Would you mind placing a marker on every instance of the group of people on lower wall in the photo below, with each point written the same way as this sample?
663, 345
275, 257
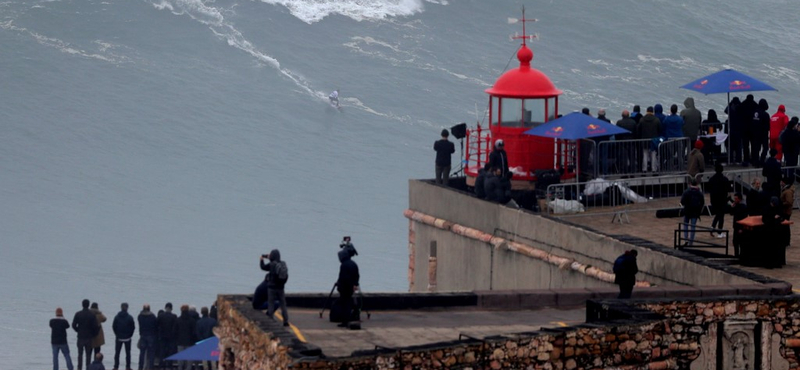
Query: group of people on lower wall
160, 336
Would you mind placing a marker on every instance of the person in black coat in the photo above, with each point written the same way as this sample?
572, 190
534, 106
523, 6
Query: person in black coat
718, 186
746, 110
480, 181
790, 140
772, 172
167, 323
186, 334
58, 338
692, 201
85, 324
347, 284
205, 326
735, 129
492, 186
772, 219
625, 269
444, 149
498, 157
739, 212
123, 327
98, 363
275, 287
761, 126
148, 331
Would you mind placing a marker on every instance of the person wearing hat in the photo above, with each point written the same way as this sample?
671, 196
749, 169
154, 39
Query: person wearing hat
696, 162
498, 157
444, 149
58, 338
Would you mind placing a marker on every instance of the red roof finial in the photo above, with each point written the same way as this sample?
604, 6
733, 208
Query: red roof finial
525, 55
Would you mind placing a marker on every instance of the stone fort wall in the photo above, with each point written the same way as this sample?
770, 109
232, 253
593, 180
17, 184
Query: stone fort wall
720, 333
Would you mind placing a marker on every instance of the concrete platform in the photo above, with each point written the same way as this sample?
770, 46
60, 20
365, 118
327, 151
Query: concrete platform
398, 329
645, 225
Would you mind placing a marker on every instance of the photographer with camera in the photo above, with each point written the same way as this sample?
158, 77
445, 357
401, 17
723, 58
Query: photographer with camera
347, 284
346, 244
274, 282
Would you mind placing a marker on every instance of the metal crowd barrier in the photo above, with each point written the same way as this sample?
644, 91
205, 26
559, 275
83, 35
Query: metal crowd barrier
637, 194
620, 157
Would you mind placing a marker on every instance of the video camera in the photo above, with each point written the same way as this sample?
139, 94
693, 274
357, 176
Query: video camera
346, 244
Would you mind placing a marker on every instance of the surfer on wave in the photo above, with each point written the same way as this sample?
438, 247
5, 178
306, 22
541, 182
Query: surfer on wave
334, 98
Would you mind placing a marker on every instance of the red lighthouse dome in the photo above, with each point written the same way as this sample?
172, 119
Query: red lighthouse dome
524, 82
521, 99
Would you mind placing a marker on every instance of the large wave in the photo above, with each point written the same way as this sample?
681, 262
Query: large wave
311, 11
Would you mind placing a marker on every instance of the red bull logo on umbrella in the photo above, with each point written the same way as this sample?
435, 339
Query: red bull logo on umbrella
593, 129
701, 85
739, 85
555, 131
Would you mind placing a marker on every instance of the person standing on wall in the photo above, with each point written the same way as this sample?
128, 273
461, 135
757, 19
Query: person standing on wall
444, 149
123, 327
625, 269
58, 338
277, 274
347, 284
85, 324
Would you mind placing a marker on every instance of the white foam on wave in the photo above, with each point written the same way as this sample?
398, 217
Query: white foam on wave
311, 11
380, 50
215, 20
781, 73
102, 54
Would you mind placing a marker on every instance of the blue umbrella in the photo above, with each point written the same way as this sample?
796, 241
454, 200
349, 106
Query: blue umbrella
204, 350
576, 126
726, 81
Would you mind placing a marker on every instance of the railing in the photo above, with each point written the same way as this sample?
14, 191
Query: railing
601, 196
620, 157
673, 154
679, 241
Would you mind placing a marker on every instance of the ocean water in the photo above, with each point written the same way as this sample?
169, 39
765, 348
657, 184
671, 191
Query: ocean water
151, 150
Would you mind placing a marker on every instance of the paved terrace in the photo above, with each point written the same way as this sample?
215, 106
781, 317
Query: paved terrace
399, 329
643, 224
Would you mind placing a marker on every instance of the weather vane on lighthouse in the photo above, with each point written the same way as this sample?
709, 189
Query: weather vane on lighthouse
524, 35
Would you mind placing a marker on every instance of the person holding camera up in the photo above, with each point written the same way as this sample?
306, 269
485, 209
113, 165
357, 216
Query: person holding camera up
277, 275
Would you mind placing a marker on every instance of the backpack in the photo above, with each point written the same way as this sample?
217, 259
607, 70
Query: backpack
619, 264
279, 272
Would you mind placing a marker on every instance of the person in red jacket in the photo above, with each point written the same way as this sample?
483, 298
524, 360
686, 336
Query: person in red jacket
777, 124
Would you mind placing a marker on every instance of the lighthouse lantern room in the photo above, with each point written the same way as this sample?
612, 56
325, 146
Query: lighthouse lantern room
519, 100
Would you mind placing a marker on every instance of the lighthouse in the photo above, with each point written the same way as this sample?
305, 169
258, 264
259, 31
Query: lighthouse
519, 100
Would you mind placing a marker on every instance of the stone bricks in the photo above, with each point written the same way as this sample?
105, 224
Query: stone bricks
670, 341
